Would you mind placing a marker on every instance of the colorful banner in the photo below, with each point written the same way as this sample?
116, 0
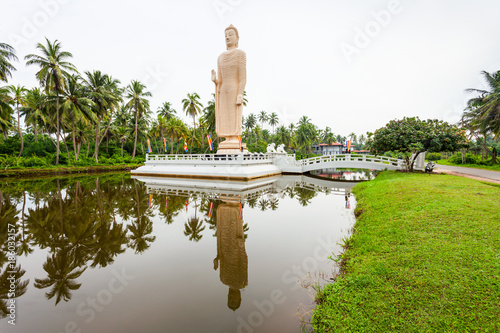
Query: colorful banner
149, 147
165, 144
150, 200
210, 145
166, 203
239, 140
185, 146
241, 212
210, 210
187, 204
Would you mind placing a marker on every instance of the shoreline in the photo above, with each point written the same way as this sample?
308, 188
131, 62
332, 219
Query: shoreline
28, 173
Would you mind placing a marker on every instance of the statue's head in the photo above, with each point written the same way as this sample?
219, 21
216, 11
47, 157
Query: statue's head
232, 36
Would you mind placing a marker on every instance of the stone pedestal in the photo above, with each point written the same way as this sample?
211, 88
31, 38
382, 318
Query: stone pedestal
231, 146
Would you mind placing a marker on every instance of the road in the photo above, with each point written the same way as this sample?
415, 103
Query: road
480, 174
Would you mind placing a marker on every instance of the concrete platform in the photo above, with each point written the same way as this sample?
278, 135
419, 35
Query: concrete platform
238, 167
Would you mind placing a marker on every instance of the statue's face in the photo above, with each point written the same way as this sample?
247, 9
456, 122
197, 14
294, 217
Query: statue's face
231, 38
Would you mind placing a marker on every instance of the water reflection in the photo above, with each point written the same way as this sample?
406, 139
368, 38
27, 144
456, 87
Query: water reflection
345, 174
82, 223
232, 259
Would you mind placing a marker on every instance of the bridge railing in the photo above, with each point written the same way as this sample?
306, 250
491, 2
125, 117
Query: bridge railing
352, 158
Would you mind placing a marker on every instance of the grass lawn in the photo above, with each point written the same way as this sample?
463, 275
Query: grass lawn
495, 167
424, 257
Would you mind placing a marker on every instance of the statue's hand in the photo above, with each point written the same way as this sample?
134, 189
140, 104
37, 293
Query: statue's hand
214, 76
239, 99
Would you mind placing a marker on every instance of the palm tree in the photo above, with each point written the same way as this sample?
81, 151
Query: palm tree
137, 101
17, 96
262, 118
283, 136
166, 111
35, 109
250, 121
192, 106
353, 137
483, 112
77, 107
103, 90
327, 135
7, 53
6, 120
273, 120
175, 129
53, 68
121, 133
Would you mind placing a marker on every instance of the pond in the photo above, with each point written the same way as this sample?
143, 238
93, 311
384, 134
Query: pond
110, 253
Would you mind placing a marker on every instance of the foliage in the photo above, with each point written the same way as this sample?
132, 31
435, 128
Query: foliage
433, 156
411, 136
422, 258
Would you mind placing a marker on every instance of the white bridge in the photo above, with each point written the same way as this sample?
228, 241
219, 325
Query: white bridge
256, 165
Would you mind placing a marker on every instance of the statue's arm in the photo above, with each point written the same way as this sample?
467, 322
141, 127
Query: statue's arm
242, 71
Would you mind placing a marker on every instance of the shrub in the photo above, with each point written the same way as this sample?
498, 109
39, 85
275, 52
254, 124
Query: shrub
433, 156
469, 159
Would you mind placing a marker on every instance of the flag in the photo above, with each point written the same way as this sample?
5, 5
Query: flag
239, 140
150, 200
210, 145
210, 210
149, 147
347, 145
166, 203
187, 203
165, 144
241, 212
185, 146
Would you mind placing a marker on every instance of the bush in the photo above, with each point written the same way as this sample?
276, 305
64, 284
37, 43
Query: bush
469, 159
433, 156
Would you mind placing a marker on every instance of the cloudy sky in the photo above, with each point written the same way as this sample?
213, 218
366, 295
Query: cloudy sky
350, 65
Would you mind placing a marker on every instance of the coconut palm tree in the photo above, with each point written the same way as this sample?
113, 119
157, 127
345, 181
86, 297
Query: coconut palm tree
6, 111
17, 96
104, 92
327, 135
483, 112
175, 129
263, 117
53, 69
7, 54
273, 120
136, 95
76, 106
192, 106
166, 111
34, 111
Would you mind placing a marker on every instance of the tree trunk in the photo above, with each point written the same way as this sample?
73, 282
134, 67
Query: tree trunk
135, 139
97, 131
35, 132
88, 148
19, 130
74, 140
122, 148
57, 128
171, 145
194, 131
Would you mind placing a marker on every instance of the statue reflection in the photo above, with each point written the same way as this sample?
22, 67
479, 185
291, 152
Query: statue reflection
231, 254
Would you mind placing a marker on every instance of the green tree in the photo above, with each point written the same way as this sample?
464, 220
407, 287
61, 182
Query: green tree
412, 136
76, 106
192, 106
34, 111
18, 97
105, 94
7, 54
137, 101
53, 69
273, 120
166, 111
263, 117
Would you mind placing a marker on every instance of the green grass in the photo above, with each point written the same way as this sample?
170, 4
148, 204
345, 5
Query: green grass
494, 167
424, 257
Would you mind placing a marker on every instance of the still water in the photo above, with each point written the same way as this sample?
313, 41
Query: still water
110, 253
